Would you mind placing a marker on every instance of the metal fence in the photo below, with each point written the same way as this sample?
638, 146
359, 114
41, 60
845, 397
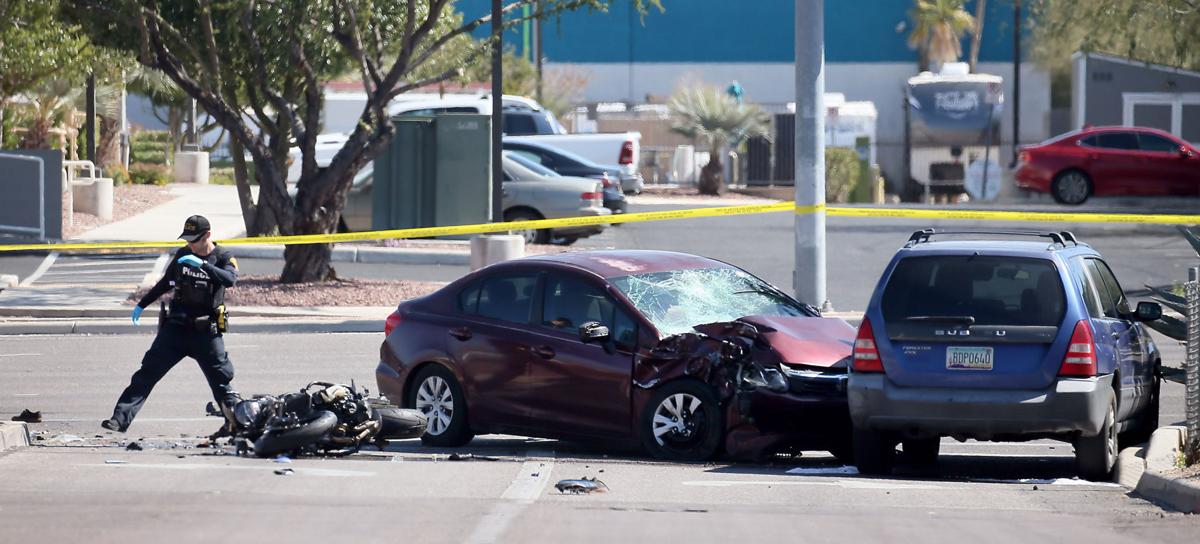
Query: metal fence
1191, 367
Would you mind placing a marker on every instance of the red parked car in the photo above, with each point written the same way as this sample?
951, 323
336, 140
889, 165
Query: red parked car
513, 348
1110, 161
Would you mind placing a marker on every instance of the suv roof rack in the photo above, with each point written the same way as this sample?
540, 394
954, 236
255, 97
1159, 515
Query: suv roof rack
1061, 238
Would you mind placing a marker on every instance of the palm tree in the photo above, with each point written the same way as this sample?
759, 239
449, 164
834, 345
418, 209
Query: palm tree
716, 121
938, 28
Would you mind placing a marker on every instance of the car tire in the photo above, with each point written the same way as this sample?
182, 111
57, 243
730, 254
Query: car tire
874, 452
531, 236
1071, 187
922, 451
1095, 456
683, 422
1147, 421
843, 450
437, 394
315, 426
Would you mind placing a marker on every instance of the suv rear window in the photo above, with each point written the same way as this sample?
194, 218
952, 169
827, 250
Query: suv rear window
1005, 291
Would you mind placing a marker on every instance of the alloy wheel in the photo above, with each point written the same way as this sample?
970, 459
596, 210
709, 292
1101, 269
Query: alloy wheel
1073, 188
679, 421
435, 400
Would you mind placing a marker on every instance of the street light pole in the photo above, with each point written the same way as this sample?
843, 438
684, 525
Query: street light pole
497, 112
1016, 79
808, 279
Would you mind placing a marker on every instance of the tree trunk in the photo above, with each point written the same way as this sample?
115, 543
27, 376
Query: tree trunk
242, 180
305, 263
712, 176
977, 34
108, 152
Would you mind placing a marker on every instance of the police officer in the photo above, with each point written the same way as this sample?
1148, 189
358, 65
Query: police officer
199, 275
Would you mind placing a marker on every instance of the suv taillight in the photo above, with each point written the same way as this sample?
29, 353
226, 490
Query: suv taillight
1023, 157
390, 324
866, 355
626, 153
1080, 360
605, 181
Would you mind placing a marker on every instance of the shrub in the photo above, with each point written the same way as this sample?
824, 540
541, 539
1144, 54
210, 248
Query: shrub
149, 147
149, 174
841, 173
117, 172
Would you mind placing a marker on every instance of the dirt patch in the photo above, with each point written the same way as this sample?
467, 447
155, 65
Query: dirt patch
1191, 473
267, 291
128, 200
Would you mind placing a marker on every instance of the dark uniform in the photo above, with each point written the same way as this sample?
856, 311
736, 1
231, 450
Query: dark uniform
191, 328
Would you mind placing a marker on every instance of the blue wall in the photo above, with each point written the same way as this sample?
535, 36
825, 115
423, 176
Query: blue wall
743, 31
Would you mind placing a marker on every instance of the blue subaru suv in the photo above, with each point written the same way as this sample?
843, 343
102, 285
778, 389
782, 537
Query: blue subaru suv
1002, 339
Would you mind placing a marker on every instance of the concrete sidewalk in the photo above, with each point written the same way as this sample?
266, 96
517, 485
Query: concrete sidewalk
242, 319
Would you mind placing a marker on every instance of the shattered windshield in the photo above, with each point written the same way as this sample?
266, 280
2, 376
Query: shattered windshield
678, 300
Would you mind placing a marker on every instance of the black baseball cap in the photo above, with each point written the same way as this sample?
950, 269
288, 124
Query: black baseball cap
194, 228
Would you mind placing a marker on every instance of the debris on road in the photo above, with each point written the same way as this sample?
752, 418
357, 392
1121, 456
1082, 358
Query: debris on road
470, 457
283, 459
134, 446
580, 486
285, 472
65, 438
28, 416
114, 462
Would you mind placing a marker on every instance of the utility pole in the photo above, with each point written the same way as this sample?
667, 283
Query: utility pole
808, 279
90, 125
497, 112
1016, 79
537, 47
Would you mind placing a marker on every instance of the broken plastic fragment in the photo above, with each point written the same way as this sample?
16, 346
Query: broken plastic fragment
582, 485
285, 472
283, 459
134, 446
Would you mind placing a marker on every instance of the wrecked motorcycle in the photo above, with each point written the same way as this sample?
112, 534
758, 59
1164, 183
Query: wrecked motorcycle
322, 417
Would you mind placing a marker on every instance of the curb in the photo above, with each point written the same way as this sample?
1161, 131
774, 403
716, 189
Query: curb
1146, 475
353, 254
13, 435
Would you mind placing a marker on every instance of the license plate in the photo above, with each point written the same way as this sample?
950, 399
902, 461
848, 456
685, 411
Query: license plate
968, 358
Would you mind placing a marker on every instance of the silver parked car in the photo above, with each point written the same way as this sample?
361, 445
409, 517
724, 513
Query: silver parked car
526, 196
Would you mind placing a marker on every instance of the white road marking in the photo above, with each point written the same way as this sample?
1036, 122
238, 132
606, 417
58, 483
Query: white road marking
529, 484
26, 394
300, 471
41, 269
847, 469
19, 354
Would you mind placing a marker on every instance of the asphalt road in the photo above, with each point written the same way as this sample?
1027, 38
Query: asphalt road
81, 480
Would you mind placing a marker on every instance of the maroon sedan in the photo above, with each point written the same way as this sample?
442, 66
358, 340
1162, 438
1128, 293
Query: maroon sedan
1110, 161
577, 346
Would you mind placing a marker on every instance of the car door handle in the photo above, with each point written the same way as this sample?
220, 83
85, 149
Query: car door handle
461, 333
545, 352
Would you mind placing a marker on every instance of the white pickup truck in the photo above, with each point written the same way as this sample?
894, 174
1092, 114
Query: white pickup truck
524, 119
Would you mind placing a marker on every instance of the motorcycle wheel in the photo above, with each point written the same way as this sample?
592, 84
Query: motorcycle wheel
401, 423
273, 443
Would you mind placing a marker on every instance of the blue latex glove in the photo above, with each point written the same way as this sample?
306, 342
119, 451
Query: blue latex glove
190, 260
137, 314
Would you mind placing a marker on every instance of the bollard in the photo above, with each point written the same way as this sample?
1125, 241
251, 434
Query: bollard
191, 167
493, 248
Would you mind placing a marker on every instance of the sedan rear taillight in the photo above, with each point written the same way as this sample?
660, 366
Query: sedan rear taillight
866, 354
390, 323
1023, 157
1080, 360
626, 153
590, 196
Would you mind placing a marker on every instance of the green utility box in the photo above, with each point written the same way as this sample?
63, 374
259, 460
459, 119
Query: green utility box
436, 172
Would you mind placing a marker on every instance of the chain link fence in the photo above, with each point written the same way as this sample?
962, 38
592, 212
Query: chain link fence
1192, 369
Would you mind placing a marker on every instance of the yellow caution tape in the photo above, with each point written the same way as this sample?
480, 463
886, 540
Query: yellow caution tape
721, 211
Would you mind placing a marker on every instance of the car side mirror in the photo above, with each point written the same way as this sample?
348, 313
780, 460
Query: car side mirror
1148, 311
592, 331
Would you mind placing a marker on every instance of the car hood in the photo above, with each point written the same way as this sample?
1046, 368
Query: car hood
825, 342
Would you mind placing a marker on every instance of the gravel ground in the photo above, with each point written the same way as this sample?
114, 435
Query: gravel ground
685, 194
267, 291
128, 200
